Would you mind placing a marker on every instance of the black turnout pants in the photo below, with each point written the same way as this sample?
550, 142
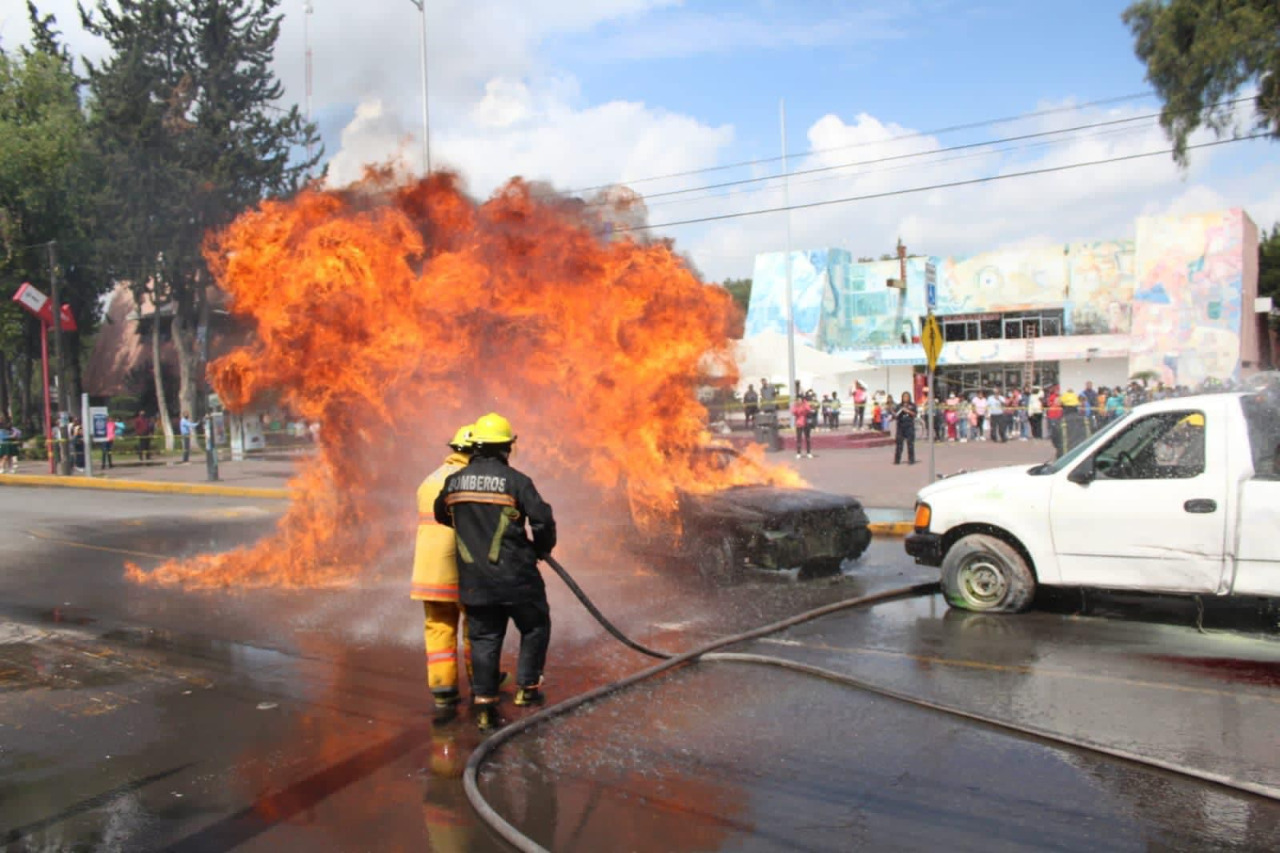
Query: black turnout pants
487, 628
909, 439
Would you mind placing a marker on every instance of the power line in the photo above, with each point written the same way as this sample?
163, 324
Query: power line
989, 152
913, 135
966, 146
948, 185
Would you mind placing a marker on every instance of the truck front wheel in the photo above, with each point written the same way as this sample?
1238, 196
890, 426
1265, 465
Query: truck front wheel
986, 574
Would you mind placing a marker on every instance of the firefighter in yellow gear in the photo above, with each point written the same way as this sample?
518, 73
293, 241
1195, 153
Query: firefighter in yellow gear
435, 581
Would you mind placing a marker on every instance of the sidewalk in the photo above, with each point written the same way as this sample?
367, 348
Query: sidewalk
866, 473
255, 477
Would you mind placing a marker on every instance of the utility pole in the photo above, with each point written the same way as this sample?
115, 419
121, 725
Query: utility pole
56, 308
426, 119
306, 35
792, 391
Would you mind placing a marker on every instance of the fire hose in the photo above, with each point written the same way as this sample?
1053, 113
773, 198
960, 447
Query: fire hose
708, 651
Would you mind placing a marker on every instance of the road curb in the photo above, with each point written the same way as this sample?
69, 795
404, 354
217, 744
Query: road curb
891, 528
144, 486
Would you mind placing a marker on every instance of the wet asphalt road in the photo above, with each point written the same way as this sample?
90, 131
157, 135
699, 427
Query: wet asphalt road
135, 718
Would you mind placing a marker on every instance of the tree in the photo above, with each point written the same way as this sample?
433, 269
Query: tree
184, 109
47, 170
740, 290
1199, 55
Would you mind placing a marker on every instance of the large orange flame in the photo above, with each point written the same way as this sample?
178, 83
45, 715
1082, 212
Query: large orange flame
393, 313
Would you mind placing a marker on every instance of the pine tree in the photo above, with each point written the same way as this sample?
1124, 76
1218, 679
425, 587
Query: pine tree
1200, 55
185, 112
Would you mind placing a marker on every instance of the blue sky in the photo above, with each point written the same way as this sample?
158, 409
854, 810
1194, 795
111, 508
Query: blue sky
587, 92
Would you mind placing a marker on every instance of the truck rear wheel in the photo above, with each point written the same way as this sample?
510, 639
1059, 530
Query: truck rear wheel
988, 575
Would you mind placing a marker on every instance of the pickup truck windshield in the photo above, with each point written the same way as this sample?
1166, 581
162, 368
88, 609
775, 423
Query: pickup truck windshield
1074, 453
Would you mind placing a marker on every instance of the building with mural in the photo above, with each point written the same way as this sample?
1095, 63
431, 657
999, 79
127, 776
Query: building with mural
1176, 302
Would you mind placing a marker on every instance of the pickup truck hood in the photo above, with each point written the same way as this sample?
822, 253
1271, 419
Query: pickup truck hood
999, 479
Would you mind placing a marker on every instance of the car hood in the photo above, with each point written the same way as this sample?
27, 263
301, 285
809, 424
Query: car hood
976, 480
761, 501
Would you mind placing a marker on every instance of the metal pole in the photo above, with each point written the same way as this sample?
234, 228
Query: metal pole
933, 408
64, 414
86, 435
786, 203
306, 36
48, 402
426, 114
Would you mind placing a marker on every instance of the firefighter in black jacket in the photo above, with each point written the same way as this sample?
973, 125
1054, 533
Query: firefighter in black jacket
487, 504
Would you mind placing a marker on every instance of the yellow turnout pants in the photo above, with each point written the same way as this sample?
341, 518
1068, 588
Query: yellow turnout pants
441, 633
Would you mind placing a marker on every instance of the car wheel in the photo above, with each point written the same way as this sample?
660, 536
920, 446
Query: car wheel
717, 558
861, 540
986, 574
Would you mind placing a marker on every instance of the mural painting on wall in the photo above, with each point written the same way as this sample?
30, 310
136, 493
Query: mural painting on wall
812, 275
872, 314
1013, 280
1100, 288
1187, 297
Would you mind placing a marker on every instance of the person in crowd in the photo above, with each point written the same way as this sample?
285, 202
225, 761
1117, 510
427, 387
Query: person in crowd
1089, 405
435, 581
108, 443
886, 412
768, 396
1115, 405
1053, 419
76, 435
1035, 412
995, 415
824, 411
859, 404
1018, 415
750, 405
10, 444
904, 416
980, 409
835, 410
802, 415
952, 417
488, 504
186, 429
144, 428
876, 419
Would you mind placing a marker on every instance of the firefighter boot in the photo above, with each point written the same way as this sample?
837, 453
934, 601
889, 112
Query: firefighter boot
446, 704
486, 715
531, 695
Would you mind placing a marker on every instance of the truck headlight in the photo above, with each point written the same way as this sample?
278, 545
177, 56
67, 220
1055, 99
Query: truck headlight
923, 516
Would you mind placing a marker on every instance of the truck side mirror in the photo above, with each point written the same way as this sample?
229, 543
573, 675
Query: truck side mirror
1083, 473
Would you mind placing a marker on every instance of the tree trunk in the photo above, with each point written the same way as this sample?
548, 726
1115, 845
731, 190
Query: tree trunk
185, 345
4, 387
161, 403
24, 389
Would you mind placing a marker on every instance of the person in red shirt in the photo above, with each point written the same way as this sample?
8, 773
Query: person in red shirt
802, 413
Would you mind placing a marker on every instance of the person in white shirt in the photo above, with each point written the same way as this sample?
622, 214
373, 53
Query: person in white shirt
980, 409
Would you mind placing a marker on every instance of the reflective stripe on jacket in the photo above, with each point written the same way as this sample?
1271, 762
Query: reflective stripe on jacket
435, 566
488, 504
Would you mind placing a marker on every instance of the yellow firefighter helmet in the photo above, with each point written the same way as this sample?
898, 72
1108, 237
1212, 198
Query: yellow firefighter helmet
492, 429
461, 440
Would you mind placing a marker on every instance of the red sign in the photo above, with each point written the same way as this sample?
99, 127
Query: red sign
38, 304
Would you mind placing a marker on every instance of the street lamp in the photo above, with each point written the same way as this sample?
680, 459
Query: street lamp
426, 121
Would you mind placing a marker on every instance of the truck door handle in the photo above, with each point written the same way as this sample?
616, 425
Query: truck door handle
1200, 505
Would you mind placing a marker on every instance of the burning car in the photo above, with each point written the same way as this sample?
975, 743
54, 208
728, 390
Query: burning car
733, 528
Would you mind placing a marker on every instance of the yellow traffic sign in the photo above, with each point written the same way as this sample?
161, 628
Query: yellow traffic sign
931, 338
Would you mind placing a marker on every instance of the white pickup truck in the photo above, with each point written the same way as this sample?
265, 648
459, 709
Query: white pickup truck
1178, 496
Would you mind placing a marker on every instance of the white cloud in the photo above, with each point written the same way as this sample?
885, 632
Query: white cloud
539, 132
1087, 203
